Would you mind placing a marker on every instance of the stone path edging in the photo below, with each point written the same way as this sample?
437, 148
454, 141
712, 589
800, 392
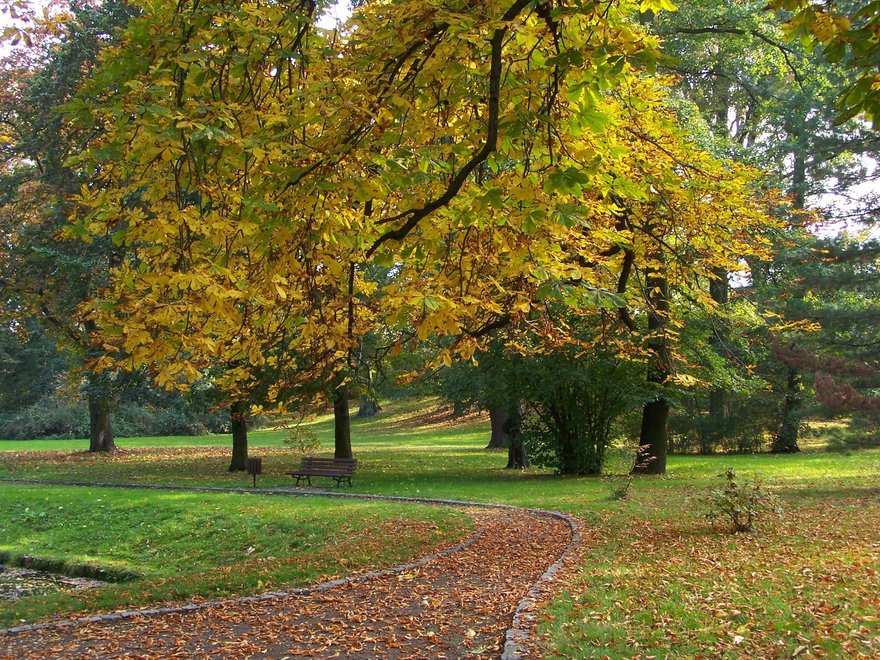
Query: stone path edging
515, 638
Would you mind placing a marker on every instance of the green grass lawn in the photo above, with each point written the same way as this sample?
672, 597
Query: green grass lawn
193, 545
656, 579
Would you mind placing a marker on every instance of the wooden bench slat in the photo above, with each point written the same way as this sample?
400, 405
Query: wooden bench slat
331, 466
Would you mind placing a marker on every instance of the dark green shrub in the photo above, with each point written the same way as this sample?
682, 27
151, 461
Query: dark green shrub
59, 415
52, 416
743, 428
572, 403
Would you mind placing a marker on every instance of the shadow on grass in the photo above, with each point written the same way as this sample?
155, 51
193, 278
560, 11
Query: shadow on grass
824, 493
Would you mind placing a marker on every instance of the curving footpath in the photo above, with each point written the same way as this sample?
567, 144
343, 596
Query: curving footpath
475, 599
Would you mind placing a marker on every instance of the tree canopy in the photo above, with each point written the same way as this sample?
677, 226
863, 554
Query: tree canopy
250, 166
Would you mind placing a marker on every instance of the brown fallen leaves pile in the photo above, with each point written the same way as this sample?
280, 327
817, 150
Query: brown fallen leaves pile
139, 464
455, 606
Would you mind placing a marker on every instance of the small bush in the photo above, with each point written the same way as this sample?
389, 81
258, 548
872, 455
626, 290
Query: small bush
741, 503
743, 429
573, 403
619, 485
302, 440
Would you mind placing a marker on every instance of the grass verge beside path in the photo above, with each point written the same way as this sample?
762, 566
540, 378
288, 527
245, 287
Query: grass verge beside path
204, 545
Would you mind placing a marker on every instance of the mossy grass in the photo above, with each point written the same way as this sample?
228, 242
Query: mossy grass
90, 570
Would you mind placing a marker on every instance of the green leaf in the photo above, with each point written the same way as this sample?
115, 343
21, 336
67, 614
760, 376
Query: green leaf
568, 215
494, 198
597, 121
570, 181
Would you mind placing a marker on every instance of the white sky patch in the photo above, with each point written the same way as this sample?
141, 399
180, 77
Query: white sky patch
335, 15
852, 210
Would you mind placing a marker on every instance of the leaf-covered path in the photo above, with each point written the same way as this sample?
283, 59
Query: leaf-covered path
459, 605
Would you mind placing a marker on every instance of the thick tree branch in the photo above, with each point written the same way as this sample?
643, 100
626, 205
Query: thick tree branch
629, 257
412, 217
490, 326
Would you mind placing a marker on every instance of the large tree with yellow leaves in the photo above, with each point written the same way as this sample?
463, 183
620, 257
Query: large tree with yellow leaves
495, 155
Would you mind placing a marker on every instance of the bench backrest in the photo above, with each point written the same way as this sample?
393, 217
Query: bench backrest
344, 465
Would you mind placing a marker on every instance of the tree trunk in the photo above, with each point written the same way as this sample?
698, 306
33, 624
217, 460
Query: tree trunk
799, 171
238, 414
517, 456
367, 407
653, 439
786, 440
341, 423
716, 421
498, 418
719, 286
100, 430
719, 289
568, 459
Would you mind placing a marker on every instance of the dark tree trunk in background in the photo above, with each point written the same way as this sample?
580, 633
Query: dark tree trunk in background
341, 423
713, 432
799, 170
719, 289
498, 418
517, 456
567, 437
98, 393
367, 407
653, 439
786, 440
238, 416
100, 430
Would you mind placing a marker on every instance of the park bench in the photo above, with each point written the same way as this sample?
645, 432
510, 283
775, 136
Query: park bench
341, 469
